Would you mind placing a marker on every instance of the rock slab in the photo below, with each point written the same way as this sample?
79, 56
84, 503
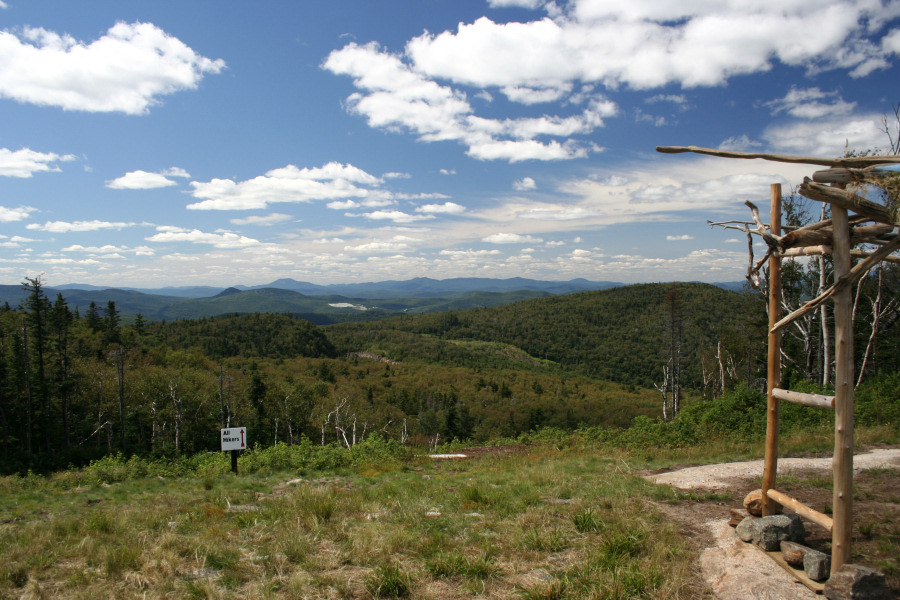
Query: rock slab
817, 565
769, 532
855, 582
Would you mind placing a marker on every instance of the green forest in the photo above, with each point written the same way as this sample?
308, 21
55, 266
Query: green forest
79, 385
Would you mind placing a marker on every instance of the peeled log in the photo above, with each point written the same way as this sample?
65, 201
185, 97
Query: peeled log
847, 200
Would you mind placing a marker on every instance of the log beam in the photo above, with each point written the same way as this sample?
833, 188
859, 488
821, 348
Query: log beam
847, 201
856, 161
816, 400
802, 510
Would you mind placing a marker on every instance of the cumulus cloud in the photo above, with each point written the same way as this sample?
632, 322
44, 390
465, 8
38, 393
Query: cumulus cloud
264, 220
395, 97
126, 70
333, 181
378, 247
447, 208
511, 238
679, 238
584, 45
142, 180
526, 183
77, 226
10, 215
649, 44
219, 239
811, 103
459, 254
24, 163
396, 216
827, 136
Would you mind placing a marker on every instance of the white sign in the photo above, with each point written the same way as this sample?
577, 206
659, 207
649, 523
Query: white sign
234, 438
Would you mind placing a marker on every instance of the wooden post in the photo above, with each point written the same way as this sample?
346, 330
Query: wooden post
234, 459
773, 379
842, 462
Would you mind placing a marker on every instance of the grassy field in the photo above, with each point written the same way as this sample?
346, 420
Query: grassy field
538, 524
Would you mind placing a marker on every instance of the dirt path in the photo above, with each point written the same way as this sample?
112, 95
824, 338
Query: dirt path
734, 570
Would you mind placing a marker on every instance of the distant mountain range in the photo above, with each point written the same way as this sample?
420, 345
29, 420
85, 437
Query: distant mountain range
321, 304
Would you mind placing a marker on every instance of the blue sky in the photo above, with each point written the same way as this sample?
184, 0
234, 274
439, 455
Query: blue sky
150, 144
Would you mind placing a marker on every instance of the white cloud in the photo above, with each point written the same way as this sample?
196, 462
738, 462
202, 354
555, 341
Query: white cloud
264, 220
396, 98
526, 183
343, 204
511, 238
378, 247
448, 171
80, 226
141, 180
126, 70
219, 239
447, 208
827, 137
677, 99
333, 181
652, 43
808, 104
458, 254
891, 42
24, 163
741, 143
396, 175
10, 215
679, 238
570, 213
394, 215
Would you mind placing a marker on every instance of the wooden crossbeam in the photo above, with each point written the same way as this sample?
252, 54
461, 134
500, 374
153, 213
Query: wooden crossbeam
801, 509
856, 161
816, 400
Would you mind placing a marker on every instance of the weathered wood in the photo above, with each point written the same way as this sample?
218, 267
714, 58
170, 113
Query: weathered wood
856, 161
818, 250
843, 282
797, 574
773, 376
867, 234
801, 509
842, 498
816, 400
847, 200
834, 175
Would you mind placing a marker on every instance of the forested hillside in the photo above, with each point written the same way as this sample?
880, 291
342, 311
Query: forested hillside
76, 386
623, 334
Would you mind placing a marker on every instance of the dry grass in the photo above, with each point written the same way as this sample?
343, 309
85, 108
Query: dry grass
539, 525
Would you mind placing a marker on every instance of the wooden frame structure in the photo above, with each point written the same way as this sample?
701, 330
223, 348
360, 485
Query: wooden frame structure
874, 225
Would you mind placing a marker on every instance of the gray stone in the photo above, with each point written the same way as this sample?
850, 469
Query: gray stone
855, 582
817, 565
748, 529
793, 553
776, 528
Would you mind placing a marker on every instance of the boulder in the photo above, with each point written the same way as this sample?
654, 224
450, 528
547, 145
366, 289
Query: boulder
748, 529
817, 565
855, 582
793, 553
776, 528
753, 502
